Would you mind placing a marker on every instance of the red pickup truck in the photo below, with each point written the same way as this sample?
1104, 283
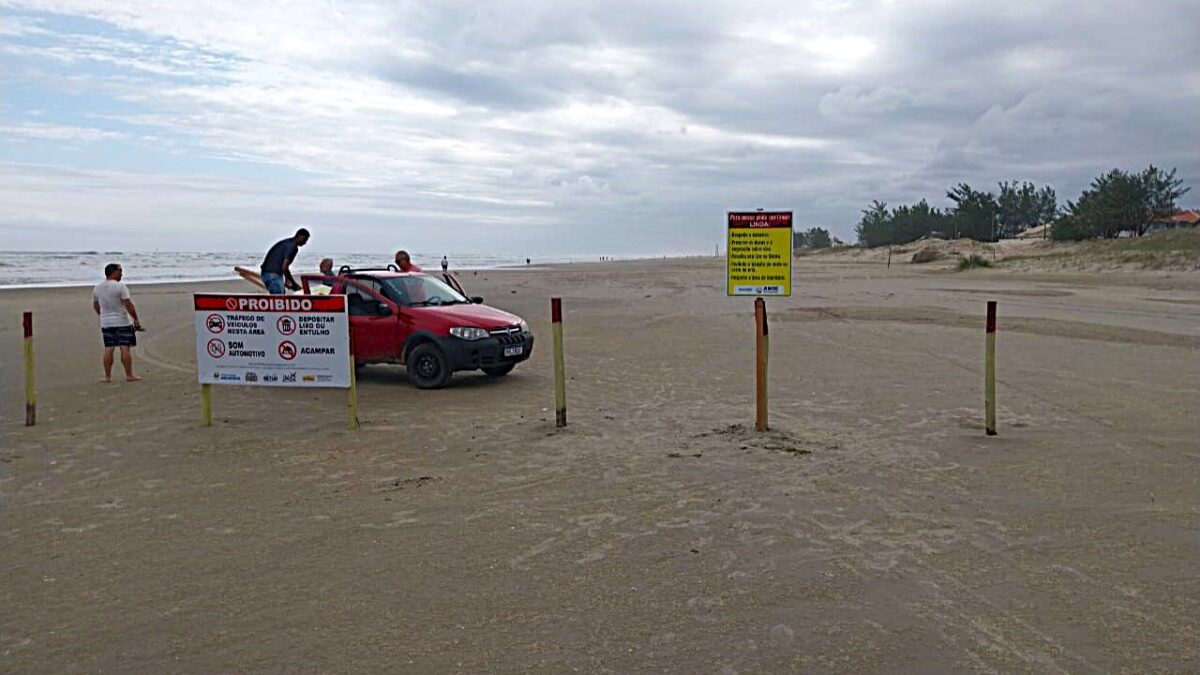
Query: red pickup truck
425, 324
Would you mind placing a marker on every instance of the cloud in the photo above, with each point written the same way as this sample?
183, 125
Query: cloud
853, 100
576, 125
58, 132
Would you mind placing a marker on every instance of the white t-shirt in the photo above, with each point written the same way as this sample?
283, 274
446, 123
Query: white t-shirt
110, 295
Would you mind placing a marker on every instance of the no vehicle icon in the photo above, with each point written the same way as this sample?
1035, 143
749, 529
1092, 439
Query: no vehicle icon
216, 348
287, 350
215, 323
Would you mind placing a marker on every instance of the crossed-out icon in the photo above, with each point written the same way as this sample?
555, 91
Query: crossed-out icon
216, 348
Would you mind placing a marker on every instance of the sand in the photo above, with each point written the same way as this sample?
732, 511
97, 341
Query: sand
874, 529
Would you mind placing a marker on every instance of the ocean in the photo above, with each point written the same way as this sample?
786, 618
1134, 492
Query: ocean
38, 268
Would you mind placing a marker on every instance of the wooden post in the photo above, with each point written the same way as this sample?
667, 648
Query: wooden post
352, 394
206, 404
560, 379
889, 257
989, 383
30, 387
761, 354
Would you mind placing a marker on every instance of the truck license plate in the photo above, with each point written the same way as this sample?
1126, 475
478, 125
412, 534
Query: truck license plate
515, 350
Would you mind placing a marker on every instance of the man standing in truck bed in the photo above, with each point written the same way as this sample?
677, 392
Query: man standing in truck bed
276, 267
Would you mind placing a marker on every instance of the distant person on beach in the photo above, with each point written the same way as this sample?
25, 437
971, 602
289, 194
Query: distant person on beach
276, 267
110, 299
445, 264
405, 264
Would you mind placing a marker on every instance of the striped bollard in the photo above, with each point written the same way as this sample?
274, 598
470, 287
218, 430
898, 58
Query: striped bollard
989, 383
30, 388
560, 380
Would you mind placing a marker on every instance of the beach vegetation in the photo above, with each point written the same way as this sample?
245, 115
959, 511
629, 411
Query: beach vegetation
814, 237
1117, 203
1120, 202
969, 262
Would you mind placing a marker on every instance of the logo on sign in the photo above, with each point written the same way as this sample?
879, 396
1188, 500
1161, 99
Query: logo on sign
252, 377
231, 304
289, 377
310, 378
286, 325
216, 348
287, 350
215, 323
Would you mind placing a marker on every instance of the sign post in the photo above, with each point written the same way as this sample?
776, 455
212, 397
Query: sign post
206, 404
352, 394
758, 262
761, 353
273, 341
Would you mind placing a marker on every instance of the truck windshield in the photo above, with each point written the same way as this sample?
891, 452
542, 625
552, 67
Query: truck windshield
420, 290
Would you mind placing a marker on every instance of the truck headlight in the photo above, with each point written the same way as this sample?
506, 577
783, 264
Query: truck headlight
468, 333
524, 326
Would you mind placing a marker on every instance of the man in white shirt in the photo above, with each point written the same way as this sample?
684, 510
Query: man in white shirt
110, 299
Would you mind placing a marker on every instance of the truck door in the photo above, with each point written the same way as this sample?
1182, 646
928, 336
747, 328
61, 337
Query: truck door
374, 321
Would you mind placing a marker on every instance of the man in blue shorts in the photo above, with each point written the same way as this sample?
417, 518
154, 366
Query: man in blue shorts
276, 267
110, 299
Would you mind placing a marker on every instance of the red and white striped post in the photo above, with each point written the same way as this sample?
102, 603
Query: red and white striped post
30, 388
560, 379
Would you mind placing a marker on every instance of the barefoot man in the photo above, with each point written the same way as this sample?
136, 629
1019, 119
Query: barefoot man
110, 299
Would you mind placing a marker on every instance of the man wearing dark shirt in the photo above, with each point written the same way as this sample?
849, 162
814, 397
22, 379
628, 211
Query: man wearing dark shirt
276, 267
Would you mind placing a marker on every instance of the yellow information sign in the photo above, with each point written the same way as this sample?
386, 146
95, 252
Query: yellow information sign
759, 247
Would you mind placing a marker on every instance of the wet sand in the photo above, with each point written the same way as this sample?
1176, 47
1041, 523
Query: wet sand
874, 529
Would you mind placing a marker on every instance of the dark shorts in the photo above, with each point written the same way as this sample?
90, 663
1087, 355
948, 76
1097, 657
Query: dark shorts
119, 336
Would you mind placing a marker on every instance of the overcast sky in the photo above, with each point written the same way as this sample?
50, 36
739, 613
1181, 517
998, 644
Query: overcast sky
534, 128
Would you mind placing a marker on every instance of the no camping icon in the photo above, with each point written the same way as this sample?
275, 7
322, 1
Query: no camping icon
287, 350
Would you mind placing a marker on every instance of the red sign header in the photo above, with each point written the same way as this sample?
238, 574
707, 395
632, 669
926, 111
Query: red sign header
740, 219
231, 302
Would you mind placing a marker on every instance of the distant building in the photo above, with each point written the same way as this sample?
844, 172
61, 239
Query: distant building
1189, 218
1038, 232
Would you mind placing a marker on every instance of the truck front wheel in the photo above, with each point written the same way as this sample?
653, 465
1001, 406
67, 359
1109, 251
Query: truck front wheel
428, 367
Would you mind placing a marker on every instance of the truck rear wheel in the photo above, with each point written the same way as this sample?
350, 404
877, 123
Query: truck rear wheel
428, 367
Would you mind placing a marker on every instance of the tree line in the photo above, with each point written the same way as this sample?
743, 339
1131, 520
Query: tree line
814, 237
1115, 201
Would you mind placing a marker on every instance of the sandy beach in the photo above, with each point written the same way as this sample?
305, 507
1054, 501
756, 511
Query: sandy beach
874, 529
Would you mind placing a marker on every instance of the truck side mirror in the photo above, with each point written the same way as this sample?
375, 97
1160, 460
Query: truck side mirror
477, 299
384, 309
